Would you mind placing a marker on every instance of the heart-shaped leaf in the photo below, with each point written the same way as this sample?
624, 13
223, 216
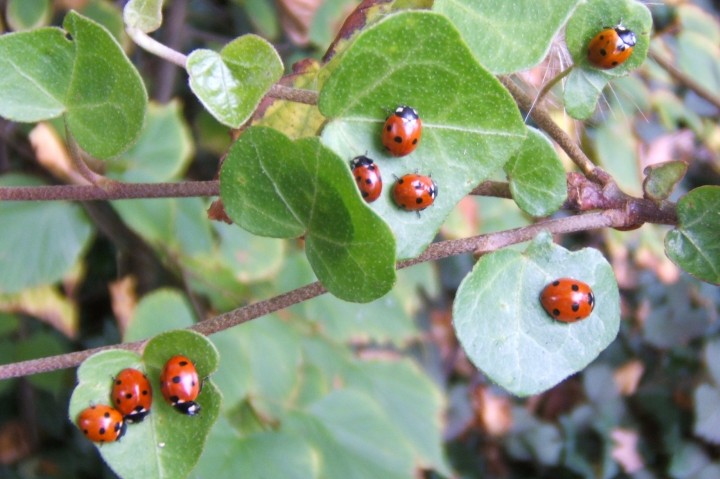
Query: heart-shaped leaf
231, 83
694, 244
167, 444
507, 36
82, 73
145, 15
466, 137
272, 186
585, 83
505, 331
537, 177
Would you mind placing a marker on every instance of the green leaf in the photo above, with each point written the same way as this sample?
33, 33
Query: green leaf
251, 258
693, 245
354, 446
162, 152
261, 361
265, 455
263, 15
173, 225
537, 177
508, 335
170, 305
272, 186
40, 242
231, 84
617, 153
145, 15
508, 36
166, 444
26, 15
697, 57
586, 82
109, 16
395, 385
661, 178
464, 141
87, 77
43, 344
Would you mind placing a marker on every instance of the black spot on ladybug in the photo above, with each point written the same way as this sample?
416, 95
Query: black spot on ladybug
555, 283
107, 414
575, 287
85, 431
176, 379
556, 312
575, 307
397, 139
128, 395
102, 431
621, 48
415, 141
603, 52
118, 382
183, 363
389, 128
614, 64
174, 399
368, 181
401, 181
365, 194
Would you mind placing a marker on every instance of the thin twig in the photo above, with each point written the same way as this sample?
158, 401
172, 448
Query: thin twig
116, 191
478, 244
549, 85
684, 79
309, 97
546, 123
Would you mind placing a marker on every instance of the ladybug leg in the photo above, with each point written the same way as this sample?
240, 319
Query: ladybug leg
418, 214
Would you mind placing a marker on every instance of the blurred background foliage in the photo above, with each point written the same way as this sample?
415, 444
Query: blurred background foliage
648, 407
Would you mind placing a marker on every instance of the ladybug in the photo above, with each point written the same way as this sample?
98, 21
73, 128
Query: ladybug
101, 423
567, 300
367, 177
414, 192
132, 394
180, 385
402, 131
611, 47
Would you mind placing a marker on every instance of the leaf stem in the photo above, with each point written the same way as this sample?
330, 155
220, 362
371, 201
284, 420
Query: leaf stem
443, 249
151, 45
546, 123
684, 79
116, 191
308, 97
549, 85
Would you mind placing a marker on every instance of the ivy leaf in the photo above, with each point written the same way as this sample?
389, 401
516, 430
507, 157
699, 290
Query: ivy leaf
464, 141
40, 242
661, 179
166, 444
693, 245
537, 177
585, 83
272, 186
87, 77
230, 84
145, 15
507, 36
509, 336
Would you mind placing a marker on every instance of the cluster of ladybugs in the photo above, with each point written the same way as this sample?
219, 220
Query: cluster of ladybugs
132, 397
401, 135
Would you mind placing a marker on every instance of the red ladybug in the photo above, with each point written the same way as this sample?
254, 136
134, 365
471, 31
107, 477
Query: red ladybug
414, 192
402, 131
367, 177
568, 300
101, 423
611, 47
180, 385
132, 394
